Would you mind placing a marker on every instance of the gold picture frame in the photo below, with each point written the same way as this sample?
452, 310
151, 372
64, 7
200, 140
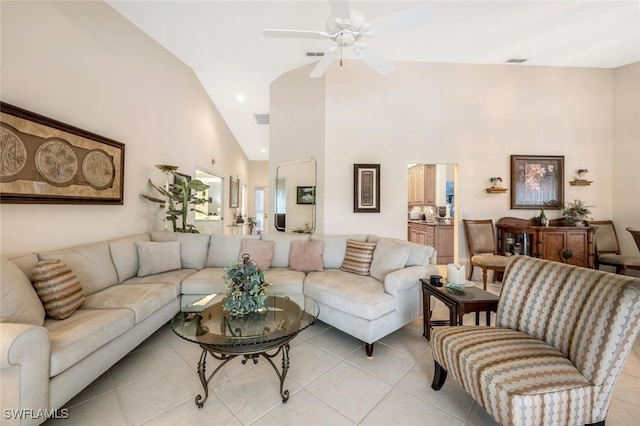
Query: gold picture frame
49, 162
537, 182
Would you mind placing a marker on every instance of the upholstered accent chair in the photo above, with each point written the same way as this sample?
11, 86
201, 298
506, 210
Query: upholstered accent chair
608, 248
481, 244
561, 338
635, 233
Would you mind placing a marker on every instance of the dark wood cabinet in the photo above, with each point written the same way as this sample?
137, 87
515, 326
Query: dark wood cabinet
567, 244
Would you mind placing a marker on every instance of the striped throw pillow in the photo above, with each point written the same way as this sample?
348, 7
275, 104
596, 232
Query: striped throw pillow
358, 257
58, 287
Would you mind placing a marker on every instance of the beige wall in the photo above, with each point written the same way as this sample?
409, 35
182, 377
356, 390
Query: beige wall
475, 116
626, 154
85, 65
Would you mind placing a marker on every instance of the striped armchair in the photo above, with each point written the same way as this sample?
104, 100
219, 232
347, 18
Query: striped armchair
561, 338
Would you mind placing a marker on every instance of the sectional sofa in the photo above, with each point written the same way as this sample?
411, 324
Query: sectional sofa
119, 292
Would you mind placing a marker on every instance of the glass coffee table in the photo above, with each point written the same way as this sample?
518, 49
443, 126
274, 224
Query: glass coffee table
225, 337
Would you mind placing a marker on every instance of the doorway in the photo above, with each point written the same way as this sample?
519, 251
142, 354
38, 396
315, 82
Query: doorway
431, 208
260, 209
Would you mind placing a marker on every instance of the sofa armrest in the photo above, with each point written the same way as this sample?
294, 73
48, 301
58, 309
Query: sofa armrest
24, 370
405, 278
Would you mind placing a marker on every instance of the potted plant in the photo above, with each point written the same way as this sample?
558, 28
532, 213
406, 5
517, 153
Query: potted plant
179, 198
251, 222
575, 212
246, 288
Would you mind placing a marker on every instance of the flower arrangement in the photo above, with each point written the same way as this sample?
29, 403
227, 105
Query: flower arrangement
580, 173
576, 211
246, 288
251, 222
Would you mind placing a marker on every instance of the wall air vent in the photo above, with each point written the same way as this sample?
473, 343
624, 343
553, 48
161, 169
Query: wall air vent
516, 61
315, 53
262, 118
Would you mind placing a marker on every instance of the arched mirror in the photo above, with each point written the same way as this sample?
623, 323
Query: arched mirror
295, 203
209, 218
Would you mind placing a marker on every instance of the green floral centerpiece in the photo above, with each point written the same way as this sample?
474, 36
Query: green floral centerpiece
246, 288
575, 212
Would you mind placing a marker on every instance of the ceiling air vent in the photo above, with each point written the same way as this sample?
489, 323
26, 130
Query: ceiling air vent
262, 118
315, 53
516, 61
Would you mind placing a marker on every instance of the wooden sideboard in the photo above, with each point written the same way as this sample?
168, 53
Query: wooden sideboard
574, 245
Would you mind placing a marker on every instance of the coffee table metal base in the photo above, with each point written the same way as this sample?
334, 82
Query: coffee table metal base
225, 357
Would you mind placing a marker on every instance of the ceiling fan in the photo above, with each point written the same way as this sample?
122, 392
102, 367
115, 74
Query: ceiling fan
347, 28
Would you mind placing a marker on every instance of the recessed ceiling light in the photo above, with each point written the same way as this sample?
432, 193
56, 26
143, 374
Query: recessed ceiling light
263, 150
240, 98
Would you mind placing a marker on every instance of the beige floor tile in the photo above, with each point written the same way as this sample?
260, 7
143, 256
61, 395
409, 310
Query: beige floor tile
400, 408
250, 394
350, 390
337, 342
140, 363
98, 387
102, 410
143, 399
386, 363
623, 414
308, 362
479, 417
303, 408
213, 412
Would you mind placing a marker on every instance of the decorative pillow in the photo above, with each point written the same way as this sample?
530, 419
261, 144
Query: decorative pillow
388, 257
19, 302
58, 288
155, 257
259, 251
358, 257
306, 256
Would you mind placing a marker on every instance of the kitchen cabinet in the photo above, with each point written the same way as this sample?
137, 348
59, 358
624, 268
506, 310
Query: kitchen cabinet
422, 185
573, 245
438, 236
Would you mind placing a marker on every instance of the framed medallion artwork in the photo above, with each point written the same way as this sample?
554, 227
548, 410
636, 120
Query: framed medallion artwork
537, 182
366, 188
46, 161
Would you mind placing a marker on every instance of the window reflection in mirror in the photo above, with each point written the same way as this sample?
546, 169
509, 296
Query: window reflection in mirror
209, 218
295, 207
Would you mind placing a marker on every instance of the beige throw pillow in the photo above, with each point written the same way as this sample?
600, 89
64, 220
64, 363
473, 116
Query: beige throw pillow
358, 257
306, 256
259, 251
155, 257
58, 288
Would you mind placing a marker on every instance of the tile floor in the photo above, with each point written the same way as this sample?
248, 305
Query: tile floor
331, 381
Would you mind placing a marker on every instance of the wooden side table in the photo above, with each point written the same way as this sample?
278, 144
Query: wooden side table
472, 299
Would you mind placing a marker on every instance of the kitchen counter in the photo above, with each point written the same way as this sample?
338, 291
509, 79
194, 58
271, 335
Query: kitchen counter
435, 234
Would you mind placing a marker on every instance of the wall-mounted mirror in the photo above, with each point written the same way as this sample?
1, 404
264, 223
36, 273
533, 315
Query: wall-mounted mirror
295, 191
210, 218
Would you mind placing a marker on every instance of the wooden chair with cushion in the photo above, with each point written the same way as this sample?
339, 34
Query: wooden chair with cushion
481, 244
635, 233
608, 248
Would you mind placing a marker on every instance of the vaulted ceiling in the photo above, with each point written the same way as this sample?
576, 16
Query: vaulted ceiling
223, 41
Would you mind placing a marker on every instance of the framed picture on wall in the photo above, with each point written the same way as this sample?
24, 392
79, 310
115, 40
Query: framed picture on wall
45, 161
366, 188
537, 182
305, 195
234, 192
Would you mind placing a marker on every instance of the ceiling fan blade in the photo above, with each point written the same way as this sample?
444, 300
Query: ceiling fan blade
401, 20
324, 63
376, 61
340, 9
321, 35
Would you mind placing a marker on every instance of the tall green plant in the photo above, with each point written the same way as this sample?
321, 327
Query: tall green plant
180, 198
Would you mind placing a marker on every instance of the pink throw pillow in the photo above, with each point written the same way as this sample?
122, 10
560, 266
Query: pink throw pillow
259, 251
306, 256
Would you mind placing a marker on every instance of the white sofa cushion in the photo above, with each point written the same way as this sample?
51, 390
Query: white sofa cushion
19, 302
124, 254
358, 295
82, 333
91, 263
335, 247
193, 247
388, 256
156, 257
225, 249
284, 281
142, 299
204, 282
420, 254
282, 245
